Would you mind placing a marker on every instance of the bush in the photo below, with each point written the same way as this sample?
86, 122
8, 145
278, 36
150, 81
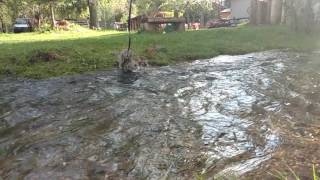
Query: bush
45, 27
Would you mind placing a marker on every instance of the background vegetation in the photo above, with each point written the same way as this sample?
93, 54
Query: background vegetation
104, 11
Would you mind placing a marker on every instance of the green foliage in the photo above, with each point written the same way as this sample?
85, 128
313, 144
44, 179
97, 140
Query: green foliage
72, 9
194, 9
87, 50
114, 10
45, 27
40, 10
314, 173
5, 18
188, 7
2, 152
148, 6
109, 11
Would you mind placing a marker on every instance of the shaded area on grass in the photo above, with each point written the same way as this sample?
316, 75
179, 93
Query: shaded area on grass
96, 50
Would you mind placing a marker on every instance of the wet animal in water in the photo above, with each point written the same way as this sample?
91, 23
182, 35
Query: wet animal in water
142, 62
126, 61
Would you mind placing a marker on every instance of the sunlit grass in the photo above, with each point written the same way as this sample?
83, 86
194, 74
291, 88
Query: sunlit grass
85, 50
53, 36
285, 176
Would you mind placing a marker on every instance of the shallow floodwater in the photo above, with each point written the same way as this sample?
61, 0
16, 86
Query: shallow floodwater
169, 122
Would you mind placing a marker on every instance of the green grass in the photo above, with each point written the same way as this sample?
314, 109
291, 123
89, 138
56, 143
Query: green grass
293, 175
85, 51
2, 152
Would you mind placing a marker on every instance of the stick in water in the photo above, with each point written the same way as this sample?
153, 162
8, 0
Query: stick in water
126, 57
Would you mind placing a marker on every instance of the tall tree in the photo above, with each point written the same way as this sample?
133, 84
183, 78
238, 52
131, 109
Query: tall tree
149, 7
93, 11
253, 11
4, 17
53, 21
276, 11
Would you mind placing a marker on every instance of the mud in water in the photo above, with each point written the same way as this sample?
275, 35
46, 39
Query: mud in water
228, 116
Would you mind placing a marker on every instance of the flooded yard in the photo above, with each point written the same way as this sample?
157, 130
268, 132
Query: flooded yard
227, 116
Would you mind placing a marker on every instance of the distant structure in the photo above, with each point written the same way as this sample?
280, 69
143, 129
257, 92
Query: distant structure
234, 9
303, 15
240, 9
156, 24
265, 11
225, 14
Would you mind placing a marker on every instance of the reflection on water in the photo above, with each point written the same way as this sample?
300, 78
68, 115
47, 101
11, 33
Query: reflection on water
209, 115
220, 99
128, 78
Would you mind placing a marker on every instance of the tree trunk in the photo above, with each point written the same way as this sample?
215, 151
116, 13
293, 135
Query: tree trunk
292, 16
276, 11
93, 11
260, 12
39, 22
284, 12
188, 19
253, 12
1, 25
263, 13
316, 11
105, 19
308, 16
300, 15
268, 17
37, 18
53, 21
176, 13
202, 19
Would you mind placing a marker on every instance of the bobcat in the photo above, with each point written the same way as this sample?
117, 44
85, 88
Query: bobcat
126, 61
129, 63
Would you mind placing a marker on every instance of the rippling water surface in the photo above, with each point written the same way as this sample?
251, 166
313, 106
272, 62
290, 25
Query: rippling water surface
170, 122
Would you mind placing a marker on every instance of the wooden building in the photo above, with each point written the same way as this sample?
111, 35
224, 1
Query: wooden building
156, 24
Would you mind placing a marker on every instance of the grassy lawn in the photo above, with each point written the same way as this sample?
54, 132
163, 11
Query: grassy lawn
77, 52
